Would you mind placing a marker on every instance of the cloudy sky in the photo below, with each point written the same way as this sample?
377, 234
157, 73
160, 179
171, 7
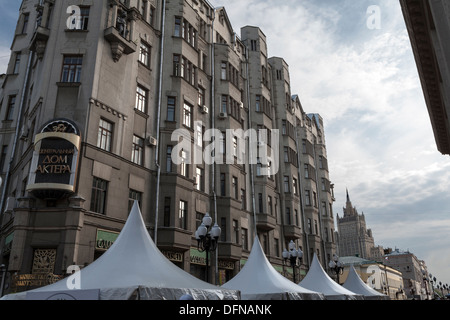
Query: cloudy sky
359, 73
363, 81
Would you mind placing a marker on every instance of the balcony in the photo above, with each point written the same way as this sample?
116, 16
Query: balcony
119, 45
174, 238
228, 250
292, 232
39, 41
265, 222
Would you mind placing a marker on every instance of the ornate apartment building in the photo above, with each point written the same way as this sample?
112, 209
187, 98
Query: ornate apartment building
108, 102
354, 238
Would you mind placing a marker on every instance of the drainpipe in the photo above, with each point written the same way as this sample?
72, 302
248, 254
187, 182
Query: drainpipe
252, 180
158, 119
319, 208
302, 200
213, 125
18, 127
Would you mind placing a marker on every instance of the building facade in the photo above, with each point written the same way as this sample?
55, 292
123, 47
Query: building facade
414, 273
354, 237
108, 102
376, 275
428, 25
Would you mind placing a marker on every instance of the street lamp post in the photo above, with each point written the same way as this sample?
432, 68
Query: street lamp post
207, 241
336, 266
293, 255
432, 280
425, 282
2, 284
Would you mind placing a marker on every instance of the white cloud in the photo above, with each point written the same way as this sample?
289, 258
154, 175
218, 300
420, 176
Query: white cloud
4, 58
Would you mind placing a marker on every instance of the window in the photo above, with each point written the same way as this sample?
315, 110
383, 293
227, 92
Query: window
277, 247
144, 54
152, 16
104, 138
198, 219
224, 104
185, 30
258, 103
201, 97
258, 166
307, 198
223, 71
11, 107
183, 164
288, 215
187, 115
137, 154
269, 204
176, 65
141, 99
235, 187
177, 30
294, 185
244, 240
71, 70
132, 196
260, 203
171, 108
26, 19
199, 135
243, 200
98, 195
236, 231
3, 157
167, 212
182, 215
296, 217
222, 184
309, 226
17, 63
223, 227
169, 159
235, 147
84, 18
200, 180
286, 184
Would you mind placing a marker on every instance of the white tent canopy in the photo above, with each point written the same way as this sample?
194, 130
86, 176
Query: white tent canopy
134, 268
258, 280
318, 280
355, 284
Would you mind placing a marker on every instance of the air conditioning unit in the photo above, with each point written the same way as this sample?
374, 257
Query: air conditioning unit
222, 115
151, 141
241, 104
204, 109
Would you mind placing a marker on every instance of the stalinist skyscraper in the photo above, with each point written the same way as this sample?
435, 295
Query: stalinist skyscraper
354, 237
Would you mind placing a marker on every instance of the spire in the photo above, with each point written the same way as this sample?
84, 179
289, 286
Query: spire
348, 198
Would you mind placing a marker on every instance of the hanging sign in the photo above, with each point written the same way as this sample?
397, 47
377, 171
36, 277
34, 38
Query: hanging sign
53, 169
